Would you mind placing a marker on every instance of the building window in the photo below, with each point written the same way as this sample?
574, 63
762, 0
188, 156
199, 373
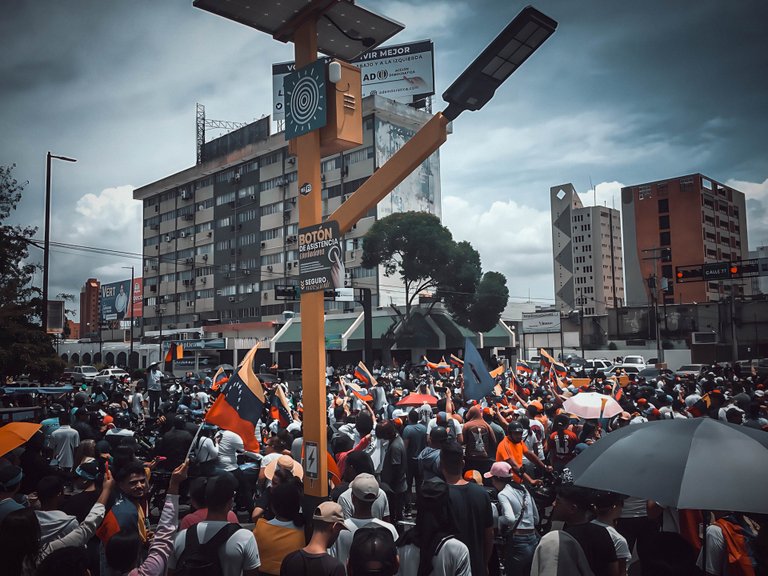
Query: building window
663, 205
664, 222
665, 239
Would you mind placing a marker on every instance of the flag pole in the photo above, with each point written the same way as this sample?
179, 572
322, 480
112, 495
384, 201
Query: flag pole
194, 439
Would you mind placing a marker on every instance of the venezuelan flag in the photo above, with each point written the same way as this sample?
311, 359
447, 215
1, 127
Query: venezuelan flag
456, 361
175, 352
364, 375
523, 368
241, 403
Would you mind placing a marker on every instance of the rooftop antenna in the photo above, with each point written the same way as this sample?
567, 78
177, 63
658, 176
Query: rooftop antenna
594, 192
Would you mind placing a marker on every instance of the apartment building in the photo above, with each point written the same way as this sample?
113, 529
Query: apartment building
587, 253
687, 220
220, 236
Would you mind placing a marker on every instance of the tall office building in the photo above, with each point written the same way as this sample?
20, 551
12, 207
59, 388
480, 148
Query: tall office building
221, 235
688, 220
586, 245
89, 307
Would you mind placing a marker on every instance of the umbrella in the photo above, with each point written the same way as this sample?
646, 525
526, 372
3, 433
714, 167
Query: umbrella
696, 463
418, 400
15, 434
591, 405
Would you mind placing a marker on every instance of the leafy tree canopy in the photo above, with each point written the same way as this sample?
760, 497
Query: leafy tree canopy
418, 247
24, 347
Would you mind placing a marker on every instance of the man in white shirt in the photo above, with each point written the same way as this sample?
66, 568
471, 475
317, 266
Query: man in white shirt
239, 554
64, 441
365, 491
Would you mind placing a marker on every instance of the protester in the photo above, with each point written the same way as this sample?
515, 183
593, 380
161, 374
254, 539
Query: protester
313, 559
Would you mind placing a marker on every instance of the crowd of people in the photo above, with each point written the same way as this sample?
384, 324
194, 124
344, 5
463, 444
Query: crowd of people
129, 479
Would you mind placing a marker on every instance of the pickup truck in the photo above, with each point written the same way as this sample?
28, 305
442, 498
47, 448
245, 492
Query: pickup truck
79, 375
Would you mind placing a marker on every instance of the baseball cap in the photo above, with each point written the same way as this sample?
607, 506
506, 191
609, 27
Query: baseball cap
515, 426
329, 512
499, 470
88, 469
365, 487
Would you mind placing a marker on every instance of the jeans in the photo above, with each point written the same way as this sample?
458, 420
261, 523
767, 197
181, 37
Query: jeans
518, 553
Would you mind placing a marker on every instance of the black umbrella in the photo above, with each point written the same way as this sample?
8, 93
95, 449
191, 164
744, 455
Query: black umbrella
696, 463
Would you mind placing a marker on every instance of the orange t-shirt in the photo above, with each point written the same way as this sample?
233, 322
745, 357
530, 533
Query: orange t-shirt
508, 450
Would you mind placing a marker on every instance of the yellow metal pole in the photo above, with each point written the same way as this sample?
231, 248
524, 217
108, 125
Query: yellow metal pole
312, 311
428, 139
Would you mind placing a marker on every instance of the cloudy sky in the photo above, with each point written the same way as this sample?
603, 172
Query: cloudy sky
623, 93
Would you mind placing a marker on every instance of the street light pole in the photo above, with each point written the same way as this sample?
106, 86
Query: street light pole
130, 307
47, 240
159, 311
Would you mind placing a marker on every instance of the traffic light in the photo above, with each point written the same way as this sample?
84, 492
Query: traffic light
693, 273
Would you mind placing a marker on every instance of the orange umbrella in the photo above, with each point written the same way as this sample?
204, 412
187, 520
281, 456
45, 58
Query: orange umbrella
15, 434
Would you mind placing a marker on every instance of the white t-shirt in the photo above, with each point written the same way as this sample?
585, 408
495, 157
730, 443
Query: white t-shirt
340, 549
136, 403
717, 553
619, 542
229, 445
238, 554
64, 440
452, 559
380, 507
453, 428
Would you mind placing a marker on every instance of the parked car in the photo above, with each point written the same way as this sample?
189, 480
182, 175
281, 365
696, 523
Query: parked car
104, 376
638, 361
688, 370
599, 364
653, 373
80, 375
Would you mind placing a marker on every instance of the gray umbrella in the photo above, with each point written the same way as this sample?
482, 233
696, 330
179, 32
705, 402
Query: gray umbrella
696, 463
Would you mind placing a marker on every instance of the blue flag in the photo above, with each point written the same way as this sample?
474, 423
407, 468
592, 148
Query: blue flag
477, 381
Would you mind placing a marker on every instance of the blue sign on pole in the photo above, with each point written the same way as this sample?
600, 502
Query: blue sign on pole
305, 103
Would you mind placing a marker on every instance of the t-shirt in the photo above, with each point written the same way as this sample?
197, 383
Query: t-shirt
199, 515
717, 552
380, 507
302, 563
453, 427
64, 440
471, 508
229, 445
619, 542
562, 451
341, 547
597, 545
478, 440
451, 560
239, 553
137, 406
416, 435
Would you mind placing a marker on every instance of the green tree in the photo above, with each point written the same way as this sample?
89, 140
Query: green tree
418, 247
24, 347
415, 244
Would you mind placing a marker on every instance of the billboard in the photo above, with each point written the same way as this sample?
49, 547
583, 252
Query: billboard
403, 72
541, 322
117, 301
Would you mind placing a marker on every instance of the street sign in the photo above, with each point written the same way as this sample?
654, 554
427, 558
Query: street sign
321, 260
717, 271
310, 459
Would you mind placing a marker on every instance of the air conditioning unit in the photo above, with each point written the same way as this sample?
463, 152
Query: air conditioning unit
252, 196
266, 296
190, 303
157, 207
185, 195
231, 298
189, 217
296, 264
291, 239
219, 292
289, 266
203, 280
189, 261
245, 271
351, 253
704, 338
200, 207
263, 244
154, 267
167, 238
292, 160
270, 268
287, 215
187, 282
205, 257
210, 233
183, 234
153, 288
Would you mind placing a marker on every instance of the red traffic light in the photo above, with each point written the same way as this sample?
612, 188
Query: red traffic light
734, 270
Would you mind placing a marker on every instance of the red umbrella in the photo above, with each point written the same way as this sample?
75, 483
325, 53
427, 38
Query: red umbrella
418, 400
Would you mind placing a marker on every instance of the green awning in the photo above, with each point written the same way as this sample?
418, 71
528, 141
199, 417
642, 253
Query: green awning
379, 326
455, 335
497, 337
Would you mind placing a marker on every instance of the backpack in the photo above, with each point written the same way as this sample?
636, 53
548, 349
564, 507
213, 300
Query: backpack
203, 559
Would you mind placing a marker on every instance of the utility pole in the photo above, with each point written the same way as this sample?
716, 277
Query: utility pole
130, 311
654, 284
